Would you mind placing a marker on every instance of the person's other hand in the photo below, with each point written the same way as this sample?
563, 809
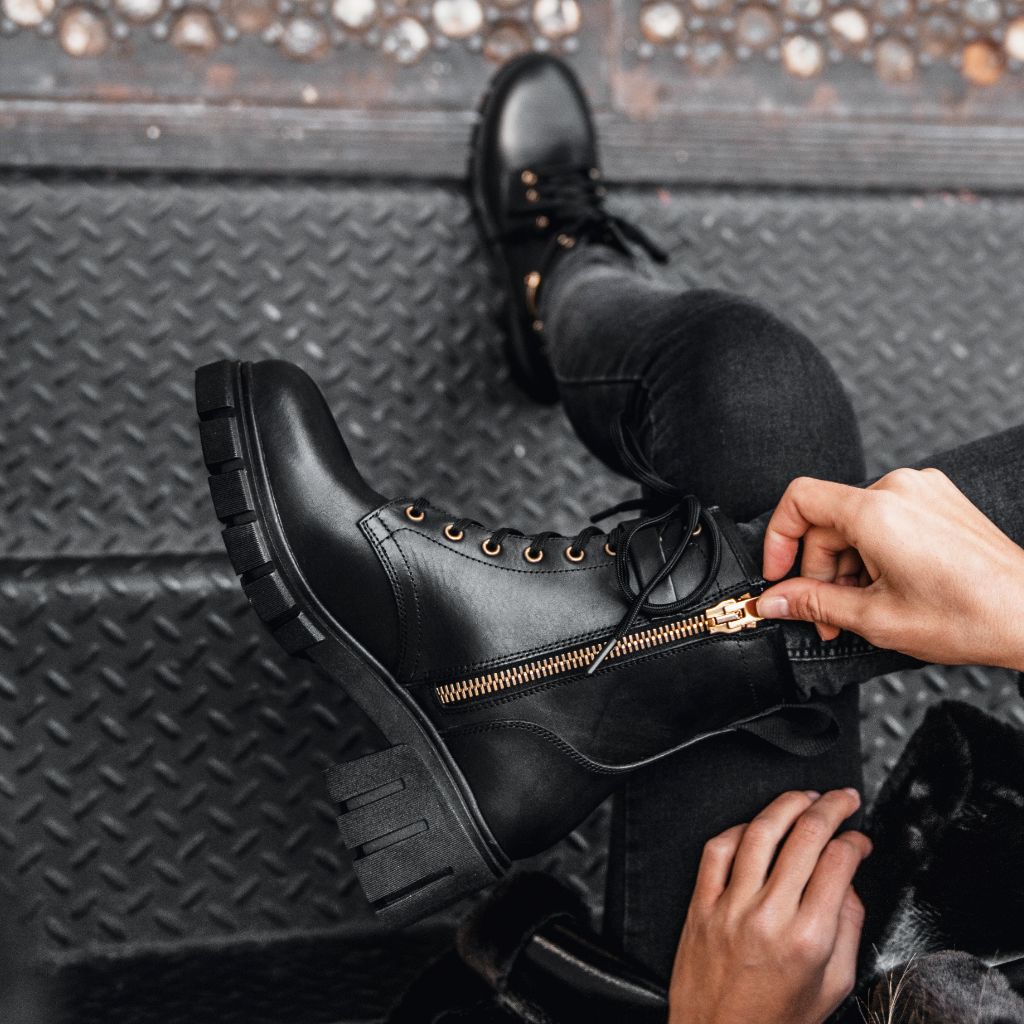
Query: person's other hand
908, 563
774, 923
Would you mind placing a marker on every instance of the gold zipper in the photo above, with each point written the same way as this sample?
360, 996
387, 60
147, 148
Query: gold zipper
728, 616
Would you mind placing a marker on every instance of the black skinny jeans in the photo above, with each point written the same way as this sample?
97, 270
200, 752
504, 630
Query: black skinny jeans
732, 404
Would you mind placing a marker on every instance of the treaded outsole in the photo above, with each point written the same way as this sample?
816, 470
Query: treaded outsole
235, 506
412, 852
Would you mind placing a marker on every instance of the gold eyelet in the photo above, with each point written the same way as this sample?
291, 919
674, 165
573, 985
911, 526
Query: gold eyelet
452, 534
574, 556
566, 241
488, 547
538, 325
609, 550
410, 513
532, 195
697, 530
543, 222
595, 174
528, 178
533, 557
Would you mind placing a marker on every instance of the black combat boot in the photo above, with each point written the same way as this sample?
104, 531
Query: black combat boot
537, 191
518, 679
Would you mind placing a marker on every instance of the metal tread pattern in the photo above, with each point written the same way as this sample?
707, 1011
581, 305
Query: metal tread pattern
160, 760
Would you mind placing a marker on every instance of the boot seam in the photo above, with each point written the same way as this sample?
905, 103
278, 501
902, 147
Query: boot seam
403, 614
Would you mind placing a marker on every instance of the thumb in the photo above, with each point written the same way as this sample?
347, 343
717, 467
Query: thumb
815, 601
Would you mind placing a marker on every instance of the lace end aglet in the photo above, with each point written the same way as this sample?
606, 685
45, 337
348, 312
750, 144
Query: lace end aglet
608, 648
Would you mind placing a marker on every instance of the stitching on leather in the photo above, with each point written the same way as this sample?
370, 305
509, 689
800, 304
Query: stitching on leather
545, 734
550, 684
840, 655
367, 523
416, 605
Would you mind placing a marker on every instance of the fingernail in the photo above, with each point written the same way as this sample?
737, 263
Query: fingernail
812, 793
776, 607
852, 792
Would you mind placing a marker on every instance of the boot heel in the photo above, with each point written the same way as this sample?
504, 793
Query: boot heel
411, 854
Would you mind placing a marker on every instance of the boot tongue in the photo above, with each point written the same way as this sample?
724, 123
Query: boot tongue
652, 548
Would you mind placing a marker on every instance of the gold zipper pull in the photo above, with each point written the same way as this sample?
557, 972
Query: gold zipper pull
733, 614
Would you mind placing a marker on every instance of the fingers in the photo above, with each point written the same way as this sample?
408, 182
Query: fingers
841, 972
826, 557
761, 839
807, 502
832, 604
826, 891
802, 855
715, 866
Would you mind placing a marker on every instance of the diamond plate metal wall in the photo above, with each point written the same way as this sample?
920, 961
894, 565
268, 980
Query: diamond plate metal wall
159, 760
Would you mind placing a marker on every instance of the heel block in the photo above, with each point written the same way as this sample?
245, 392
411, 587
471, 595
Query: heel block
411, 853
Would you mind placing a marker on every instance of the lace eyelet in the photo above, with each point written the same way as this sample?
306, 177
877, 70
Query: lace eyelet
532, 195
542, 222
528, 178
533, 557
574, 556
489, 548
413, 515
452, 534
566, 241
609, 550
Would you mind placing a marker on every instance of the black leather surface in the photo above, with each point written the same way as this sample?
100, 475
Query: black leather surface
573, 976
465, 612
539, 757
537, 116
319, 496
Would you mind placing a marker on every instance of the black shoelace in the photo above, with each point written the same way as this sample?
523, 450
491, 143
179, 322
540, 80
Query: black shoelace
663, 503
573, 203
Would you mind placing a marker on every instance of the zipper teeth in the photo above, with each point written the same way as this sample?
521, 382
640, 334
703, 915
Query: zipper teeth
580, 657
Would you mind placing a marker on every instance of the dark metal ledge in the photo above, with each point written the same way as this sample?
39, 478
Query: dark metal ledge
726, 148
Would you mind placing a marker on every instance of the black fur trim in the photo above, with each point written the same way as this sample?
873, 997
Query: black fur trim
948, 829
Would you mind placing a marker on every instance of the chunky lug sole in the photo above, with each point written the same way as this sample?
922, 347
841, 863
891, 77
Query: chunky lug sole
405, 813
529, 365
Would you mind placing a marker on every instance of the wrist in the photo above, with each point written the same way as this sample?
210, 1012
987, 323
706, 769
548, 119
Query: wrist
1009, 651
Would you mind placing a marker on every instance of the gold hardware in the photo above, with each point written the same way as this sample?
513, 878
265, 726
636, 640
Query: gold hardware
452, 534
532, 195
528, 178
727, 616
538, 325
609, 550
490, 548
533, 557
595, 174
410, 513
697, 529
566, 241
733, 614
574, 556
532, 282
543, 222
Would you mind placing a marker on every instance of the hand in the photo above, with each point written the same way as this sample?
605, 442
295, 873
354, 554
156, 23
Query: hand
773, 944
908, 563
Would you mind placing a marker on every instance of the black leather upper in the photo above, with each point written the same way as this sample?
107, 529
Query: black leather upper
536, 116
535, 119
320, 496
433, 611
